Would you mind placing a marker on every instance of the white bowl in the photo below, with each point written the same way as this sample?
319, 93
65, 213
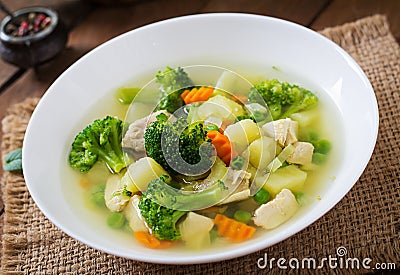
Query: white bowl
234, 41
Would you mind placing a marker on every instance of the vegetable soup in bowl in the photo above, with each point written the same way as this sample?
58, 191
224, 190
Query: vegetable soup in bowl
161, 152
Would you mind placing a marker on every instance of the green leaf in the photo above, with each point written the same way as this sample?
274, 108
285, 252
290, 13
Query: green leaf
14, 165
13, 155
13, 160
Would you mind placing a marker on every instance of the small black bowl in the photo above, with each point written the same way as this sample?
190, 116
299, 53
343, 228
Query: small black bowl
32, 49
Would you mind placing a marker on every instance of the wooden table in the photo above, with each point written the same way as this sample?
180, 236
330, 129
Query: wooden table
92, 24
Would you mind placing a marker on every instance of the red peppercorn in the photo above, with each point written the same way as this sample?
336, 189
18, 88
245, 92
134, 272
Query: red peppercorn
24, 25
41, 17
46, 22
29, 24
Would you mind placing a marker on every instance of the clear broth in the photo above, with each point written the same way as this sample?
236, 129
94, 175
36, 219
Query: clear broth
328, 126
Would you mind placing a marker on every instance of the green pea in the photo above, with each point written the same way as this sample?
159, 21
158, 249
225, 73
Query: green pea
97, 194
126, 95
312, 135
98, 198
323, 146
242, 216
262, 196
212, 127
318, 158
115, 220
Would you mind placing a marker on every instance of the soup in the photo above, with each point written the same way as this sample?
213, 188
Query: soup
207, 157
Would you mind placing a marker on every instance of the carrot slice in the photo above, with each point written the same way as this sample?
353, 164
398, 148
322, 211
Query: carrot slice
150, 241
195, 95
232, 229
85, 183
222, 145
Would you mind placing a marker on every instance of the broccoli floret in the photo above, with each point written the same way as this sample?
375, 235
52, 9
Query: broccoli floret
172, 83
282, 98
162, 193
152, 138
100, 140
171, 102
177, 146
173, 79
160, 219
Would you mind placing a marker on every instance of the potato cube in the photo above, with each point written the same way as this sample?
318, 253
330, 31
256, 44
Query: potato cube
289, 177
262, 152
242, 133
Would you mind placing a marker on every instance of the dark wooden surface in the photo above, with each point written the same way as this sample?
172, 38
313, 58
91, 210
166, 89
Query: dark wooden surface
92, 24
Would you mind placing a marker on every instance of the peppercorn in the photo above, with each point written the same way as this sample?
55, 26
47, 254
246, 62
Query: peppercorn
28, 24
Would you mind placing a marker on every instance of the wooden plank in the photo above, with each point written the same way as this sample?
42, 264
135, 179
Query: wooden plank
63, 7
300, 11
343, 11
19, 4
6, 71
109, 21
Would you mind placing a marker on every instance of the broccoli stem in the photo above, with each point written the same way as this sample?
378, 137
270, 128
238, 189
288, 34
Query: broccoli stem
114, 162
172, 198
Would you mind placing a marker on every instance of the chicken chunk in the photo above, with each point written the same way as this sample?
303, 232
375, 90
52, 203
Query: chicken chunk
277, 211
236, 196
132, 214
283, 130
133, 141
114, 197
302, 154
242, 192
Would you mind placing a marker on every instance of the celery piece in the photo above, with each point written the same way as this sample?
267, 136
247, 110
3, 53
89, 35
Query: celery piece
280, 160
213, 235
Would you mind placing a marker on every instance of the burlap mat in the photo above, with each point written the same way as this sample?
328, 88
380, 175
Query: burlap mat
365, 222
